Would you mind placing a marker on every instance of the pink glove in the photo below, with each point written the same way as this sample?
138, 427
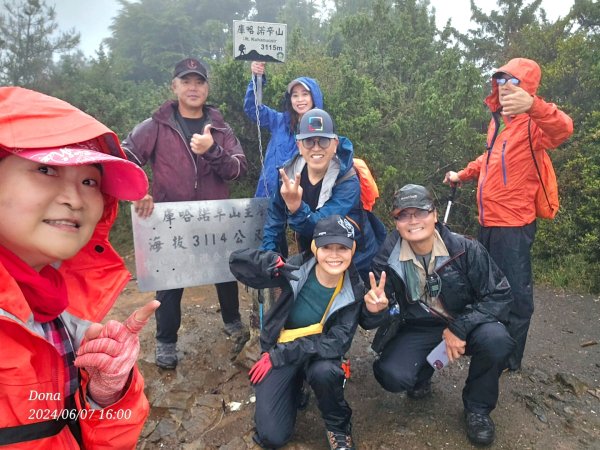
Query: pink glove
260, 369
109, 352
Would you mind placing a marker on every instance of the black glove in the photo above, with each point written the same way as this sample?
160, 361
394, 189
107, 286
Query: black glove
280, 268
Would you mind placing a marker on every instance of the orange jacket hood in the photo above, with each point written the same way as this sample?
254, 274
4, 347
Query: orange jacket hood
526, 70
96, 275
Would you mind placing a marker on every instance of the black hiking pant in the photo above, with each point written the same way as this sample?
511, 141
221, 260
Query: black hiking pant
278, 397
403, 366
510, 248
168, 314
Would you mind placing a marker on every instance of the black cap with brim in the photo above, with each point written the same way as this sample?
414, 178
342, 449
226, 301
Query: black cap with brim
326, 240
190, 65
334, 230
412, 196
187, 72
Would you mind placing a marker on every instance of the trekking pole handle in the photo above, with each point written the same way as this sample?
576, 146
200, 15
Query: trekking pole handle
450, 200
453, 191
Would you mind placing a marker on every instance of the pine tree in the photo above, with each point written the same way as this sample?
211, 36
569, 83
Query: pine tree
29, 41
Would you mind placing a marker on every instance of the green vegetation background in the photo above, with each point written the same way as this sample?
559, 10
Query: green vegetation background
408, 95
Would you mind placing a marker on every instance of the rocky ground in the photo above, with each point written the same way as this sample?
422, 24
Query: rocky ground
207, 403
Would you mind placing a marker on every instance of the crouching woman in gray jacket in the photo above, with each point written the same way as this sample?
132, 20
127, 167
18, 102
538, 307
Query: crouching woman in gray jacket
307, 331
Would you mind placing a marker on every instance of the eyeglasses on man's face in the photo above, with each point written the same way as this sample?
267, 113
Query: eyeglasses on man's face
311, 141
404, 216
511, 80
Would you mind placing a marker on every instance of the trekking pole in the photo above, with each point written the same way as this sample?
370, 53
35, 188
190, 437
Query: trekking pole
257, 87
450, 200
258, 92
261, 300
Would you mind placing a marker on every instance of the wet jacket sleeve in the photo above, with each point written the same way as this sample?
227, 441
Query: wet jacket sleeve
471, 172
368, 320
343, 197
553, 126
380, 261
139, 144
269, 118
118, 425
255, 268
330, 344
275, 223
491, 289
226, 157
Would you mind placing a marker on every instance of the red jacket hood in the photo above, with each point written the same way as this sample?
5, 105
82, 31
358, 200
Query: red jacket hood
526, 70
34, 120
29, 119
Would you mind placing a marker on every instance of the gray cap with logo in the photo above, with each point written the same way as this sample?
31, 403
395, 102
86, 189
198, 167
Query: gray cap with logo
315, 122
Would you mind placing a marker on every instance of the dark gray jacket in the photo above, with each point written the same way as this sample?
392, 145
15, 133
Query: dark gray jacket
253, 267
474, 290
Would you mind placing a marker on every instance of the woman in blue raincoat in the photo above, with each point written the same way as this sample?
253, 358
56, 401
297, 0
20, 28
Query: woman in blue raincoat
302, 95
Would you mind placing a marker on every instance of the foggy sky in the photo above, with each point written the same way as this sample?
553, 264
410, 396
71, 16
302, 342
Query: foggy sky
92, 18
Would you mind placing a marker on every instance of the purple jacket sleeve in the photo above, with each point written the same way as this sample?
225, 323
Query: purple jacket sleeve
139, 144
226, 156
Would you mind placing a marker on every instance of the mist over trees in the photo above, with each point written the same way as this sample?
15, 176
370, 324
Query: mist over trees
408, 95
29, 40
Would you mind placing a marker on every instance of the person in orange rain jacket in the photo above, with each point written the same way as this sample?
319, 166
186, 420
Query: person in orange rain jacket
66, 382
508, 181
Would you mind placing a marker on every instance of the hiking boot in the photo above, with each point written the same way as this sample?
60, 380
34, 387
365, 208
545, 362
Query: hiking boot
239, 333
259, 442
235, 328
338, 440
166, 355
511, 369
480, 428
420, 391
513, 364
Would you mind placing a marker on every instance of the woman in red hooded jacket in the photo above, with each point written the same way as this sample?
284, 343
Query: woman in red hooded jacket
507, 181
65, 381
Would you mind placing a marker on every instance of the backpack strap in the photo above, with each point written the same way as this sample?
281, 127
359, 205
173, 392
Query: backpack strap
351, 172
47, 428
31, 431
535, 162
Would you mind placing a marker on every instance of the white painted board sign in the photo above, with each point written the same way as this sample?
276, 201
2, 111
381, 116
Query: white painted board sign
259, 41
185, 244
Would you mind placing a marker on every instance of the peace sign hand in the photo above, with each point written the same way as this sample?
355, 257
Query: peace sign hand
291, 191
376, 300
